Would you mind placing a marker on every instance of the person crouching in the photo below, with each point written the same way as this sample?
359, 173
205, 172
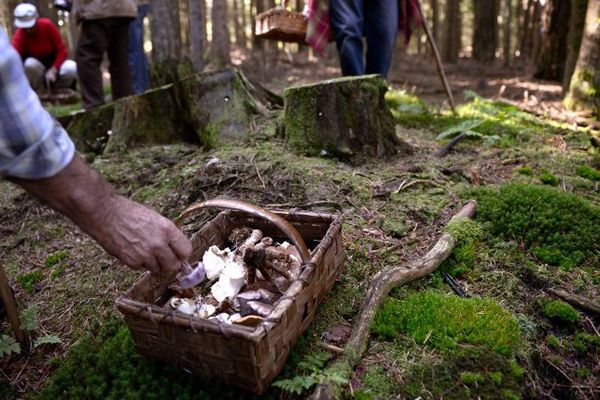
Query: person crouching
41, 47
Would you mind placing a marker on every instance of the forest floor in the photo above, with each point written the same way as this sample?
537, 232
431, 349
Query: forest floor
538, 186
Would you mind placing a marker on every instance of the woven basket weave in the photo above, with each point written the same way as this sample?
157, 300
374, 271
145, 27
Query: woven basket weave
281, 24
247, 357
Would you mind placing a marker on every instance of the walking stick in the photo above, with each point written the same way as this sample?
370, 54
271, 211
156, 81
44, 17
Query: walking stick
438, 60
10, 306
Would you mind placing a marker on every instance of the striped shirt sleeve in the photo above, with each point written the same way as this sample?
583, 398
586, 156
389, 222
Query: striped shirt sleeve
32, 144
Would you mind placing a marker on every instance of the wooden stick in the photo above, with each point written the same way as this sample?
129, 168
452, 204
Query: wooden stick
438, 59
445, 149
579, 301
380, 286
10, 305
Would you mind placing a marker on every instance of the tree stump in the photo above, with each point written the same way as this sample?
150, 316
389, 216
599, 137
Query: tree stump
344, 116
208, 109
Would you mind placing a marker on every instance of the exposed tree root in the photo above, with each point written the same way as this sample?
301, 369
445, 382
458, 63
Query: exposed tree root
380, 286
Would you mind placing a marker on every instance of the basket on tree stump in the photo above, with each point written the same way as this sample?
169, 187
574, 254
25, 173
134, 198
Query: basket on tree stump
281, 24
247, 357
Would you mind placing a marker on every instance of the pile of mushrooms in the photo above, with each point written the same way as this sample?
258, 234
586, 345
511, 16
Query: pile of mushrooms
239, 286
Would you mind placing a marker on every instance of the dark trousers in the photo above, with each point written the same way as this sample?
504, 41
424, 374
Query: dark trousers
377, 20
138, 62
110, 35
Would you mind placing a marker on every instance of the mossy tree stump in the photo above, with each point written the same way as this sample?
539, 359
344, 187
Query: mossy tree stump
207, 109
345, 117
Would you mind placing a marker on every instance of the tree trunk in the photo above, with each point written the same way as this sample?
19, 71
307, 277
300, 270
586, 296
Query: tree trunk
236, 24
553, 46
245, 19
344, 116
485, 32
197, 33
435, 20
584, 90
259, 6
574, 39
506, 32
220, 34
184, 27
164, 24
525, 38
536, 29
452, 32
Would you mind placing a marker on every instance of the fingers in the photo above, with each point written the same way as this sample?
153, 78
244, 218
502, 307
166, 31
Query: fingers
180, 244
168, 261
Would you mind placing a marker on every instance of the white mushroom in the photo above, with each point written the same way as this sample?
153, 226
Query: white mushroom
187, 306
214, 260
230, 282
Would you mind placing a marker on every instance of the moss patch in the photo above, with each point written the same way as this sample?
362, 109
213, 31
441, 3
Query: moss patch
558, 227
559, 311
588, 173
447, 321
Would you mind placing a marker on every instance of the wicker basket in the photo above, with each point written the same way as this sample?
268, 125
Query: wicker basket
247, 357
281, 24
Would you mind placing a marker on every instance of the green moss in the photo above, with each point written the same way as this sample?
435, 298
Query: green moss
105, 365
588, 173
583, 342
553, 341
446, 321
524, 171
464, 230
28, 280
472, 378
547, 178
55, 258
497, 377
510, 395
470, 374
559, 311
560, 228
377, 384
583, 372
395, 225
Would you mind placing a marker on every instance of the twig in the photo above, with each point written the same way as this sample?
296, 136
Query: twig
332, 348
379, 288
453, 284
445, 149
260, 177
334, 204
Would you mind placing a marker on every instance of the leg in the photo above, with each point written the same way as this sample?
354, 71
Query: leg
347, 23
67, 74
93, 41
137, 58
120, 75
34, 70
381, 28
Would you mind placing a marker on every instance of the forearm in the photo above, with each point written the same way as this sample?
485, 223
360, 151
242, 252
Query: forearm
78, 192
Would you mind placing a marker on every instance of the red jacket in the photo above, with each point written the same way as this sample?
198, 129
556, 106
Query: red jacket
45, 44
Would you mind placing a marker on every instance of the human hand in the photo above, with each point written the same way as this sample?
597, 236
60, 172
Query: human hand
141, 238
51, 75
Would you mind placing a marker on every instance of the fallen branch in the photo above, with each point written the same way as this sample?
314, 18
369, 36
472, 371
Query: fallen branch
445, 149
578, 301
379, 288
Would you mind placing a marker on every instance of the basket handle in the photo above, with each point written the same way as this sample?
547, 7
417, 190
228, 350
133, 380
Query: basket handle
237, 205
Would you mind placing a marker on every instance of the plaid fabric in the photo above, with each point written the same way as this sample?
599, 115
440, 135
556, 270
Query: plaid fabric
318, 30
32, 144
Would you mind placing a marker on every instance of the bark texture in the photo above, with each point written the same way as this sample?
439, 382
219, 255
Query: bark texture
344, 116
506, 31
379, 288
485, 32
452, 32
164, 25
584, 90
576, 26
553, 45
220, 34
197, 10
